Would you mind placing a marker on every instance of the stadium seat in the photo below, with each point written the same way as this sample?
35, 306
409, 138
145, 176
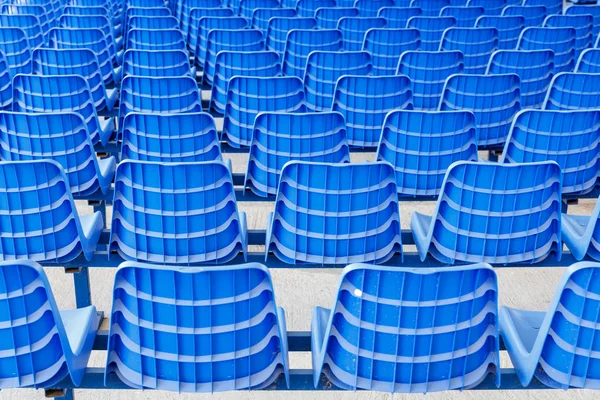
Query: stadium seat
307, 8
157, 63
364, 101
428, 72
324, 68
583, 25
249, 96
593, 10
61, 137
335, 214
279, 27
569, 91
176, 213
509, 29
534, 67
281, 137
230, 337
158, 23
300, 43
534, 15
494, 99
421, 145
41, 344
370, 8
170, 138
146, 12
30, 24
81, 62
404, 330
5, 83
495, 213
158, 95
193, 28
28, 9
261, 17
65, 93
247, 7
589, 62
553, 7
386, 46
328, 17
55, 233
93, 22
430, 8
569, 138
490, 7
431, 30
205, 25
233, 63
465, 16
476, 44
192, 10
558, 346
581, 235
15, 47
354, 29
155, 39
246, 40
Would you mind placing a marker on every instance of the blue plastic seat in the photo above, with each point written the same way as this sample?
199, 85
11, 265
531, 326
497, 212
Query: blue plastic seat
430, 8
431, 30
232, 63
300, 43
92, 22
279, 27
282, 137
243, 40
558, 347
49, 228
132, 11
476, 44
192, 29
428, 72
465, 16
41, 345
307, 8
170, 138
386, 46
354, 28
569, 91
62, 137
509, 29
534, 67
494, 99
232, 336
397, 17
15, 47
249, 96
553, 7
421, 145
370, 8
569, 138
143, 22
335, 214
324, 68
396, 329
155, 39
146, 3
185, 7
176, 213
583, 25
30, 24
364, 101
491, 7
205, 25
81, 62
5, 83
261, 17
157, 63
28, 9
94, 11
328, 17
581, 234
65, 93
159, 95
593, 10
247, 7
495, 213
534, 15
589, 62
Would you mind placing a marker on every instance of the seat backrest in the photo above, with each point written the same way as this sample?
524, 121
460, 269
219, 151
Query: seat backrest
236, 63
335, 214
441, 321
162, 22
428, 72
156, 63
476, 44
534, 67
155, 39
430, 8
328, 17
589, 62
421, 145
88, 22
301, 42
465, 16
570, 91
281, 137
29, 23
28, 9
189, 212
279, 27
509, 29
5, 82
370, 8
583, 25
146, 11
249, 96
490, 7
324, 68
570, 138
307, 8
534, 15
431, 30
386, 46
170, 138
207, 24
15, 47
364, 101
553, 7
192, 31
146, 3
261, 17
83, 10
213, 306
397, 17
494, 99
354, 29
51, 234
247, 7
581, 9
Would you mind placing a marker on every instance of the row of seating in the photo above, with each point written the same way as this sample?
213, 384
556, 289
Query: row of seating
219, 329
